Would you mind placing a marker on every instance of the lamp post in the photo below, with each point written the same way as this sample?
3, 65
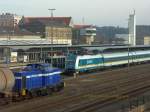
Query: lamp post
51, 11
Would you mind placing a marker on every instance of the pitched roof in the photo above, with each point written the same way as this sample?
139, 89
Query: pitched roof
45, 20
15, 31
82, 26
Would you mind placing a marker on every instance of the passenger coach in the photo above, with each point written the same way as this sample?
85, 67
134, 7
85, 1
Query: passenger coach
83, 63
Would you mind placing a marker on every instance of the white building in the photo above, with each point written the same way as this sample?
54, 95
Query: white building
9, 20
132, 29
89, 34
84, 34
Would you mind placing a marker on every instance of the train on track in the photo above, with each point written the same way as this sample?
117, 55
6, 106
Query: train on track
84, 63
33, 80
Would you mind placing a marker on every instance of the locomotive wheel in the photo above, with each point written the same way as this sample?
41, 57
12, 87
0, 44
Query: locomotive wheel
62, 85
38, 93
59, 87
3, 101
56, 89
34, 94
2, 95
49, 91
21, 98
30, 95
44, 92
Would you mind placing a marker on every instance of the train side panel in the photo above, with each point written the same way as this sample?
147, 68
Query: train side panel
115, 59
142, 56
28, 81
52, 78
87, 62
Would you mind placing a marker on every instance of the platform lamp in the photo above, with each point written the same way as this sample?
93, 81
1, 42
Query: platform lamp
51, 11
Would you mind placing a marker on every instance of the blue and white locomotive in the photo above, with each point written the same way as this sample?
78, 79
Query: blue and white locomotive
34, 80
38, 79
83, 63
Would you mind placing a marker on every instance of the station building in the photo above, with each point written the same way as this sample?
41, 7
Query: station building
58, 34
23, 51
30, 40
56, 30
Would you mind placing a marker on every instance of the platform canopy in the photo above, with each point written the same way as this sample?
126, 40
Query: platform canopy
44, 43
24, 42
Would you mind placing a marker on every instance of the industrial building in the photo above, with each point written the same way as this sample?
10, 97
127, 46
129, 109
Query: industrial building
130, 37
132, 29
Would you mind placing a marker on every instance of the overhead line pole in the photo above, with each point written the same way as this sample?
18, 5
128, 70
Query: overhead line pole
51, 11
128, 48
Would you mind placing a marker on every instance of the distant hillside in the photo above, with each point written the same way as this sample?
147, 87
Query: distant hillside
107, 33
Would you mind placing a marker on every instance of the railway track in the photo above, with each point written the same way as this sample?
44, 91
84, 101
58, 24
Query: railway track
113, 84
96, 105
105, 100
93, 91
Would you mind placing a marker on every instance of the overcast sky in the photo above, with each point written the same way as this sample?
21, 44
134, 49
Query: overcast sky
98, 12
